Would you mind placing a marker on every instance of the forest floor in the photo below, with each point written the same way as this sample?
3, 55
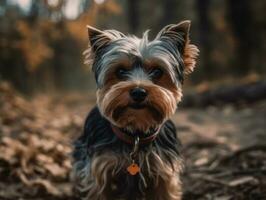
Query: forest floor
224, 147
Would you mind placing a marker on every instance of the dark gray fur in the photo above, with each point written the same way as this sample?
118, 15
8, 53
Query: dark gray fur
108, 48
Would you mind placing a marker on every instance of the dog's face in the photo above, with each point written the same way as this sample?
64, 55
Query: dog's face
139, 81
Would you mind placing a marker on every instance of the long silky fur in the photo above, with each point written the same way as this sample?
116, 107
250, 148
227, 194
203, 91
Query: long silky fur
101, 159
168, 47
117, 96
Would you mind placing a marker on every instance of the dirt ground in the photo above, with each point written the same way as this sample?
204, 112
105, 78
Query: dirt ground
224, 148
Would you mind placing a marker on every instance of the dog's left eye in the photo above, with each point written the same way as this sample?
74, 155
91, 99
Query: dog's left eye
156, 73
121, 73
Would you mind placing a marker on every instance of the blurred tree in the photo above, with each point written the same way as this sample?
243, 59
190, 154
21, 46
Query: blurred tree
169, 16
205, 33
41, 47
133, 15
242, 26
84, 5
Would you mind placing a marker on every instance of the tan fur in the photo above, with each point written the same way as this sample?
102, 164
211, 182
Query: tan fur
190, 55
163, 99
161, 179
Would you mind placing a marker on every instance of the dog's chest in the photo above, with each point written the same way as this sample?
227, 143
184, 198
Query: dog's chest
109, 169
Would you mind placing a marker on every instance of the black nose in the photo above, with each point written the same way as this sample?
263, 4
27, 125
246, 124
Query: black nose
138, 94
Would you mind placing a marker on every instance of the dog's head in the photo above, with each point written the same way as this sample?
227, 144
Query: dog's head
139, 81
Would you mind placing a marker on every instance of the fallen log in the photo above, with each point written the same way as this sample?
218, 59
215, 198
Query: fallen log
226, 94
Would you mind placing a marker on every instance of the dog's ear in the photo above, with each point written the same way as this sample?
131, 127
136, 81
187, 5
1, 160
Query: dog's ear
178, 36
99, 39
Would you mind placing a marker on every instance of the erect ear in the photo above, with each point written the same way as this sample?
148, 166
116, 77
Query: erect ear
97, 38
178, 35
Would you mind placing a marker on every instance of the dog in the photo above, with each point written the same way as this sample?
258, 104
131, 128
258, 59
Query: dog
129, 148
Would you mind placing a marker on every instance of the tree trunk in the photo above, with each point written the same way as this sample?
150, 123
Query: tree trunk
202, 7
240, 19
133, 16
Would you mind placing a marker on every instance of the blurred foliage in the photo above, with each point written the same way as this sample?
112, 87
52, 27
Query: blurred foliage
41, 48
32, 45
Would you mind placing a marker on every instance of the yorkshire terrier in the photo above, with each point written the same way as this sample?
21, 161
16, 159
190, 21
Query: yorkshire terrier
129, 149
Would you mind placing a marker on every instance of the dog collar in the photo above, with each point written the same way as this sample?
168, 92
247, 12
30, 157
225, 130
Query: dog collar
131, 139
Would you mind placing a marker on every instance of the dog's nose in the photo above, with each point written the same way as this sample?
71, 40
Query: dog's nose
138, 94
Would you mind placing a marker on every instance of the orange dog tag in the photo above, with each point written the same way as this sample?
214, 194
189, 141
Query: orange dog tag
133, 169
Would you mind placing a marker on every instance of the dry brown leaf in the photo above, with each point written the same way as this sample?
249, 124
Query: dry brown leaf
243, 180
47, 185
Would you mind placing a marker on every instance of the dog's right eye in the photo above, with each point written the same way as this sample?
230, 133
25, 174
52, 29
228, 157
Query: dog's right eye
156, 73
121, 73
